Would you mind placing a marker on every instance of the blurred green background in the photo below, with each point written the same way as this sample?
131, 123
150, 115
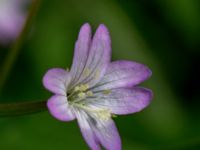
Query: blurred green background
163, 34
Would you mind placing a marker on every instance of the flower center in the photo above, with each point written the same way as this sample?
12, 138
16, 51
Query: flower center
80, 93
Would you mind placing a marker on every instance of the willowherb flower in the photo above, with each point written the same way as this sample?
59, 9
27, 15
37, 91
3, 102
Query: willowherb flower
12, 19
95, 89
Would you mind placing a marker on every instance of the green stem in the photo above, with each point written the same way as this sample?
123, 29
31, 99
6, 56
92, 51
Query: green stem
16, 109
12, 55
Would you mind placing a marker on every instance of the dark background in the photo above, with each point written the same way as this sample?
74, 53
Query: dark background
163, 34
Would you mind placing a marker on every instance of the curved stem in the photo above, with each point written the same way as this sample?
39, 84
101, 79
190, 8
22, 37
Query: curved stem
16, 109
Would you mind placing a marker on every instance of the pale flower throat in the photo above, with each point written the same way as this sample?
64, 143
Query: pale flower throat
77, 98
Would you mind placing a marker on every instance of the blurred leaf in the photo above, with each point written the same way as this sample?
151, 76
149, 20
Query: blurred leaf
184, 16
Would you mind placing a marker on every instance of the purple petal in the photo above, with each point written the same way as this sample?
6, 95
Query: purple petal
99, 57
107, 134
81, 52
123, 101
97, 132
56, 80
59, 108
123, 74
86, 130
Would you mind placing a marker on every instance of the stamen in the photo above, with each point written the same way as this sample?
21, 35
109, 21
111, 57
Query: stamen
97, 74
106, 92
89, 93
102, 113
77, 88
81, 95
86, 72
84, 87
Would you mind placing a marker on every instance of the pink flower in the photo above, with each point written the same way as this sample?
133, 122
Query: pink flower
11, 20
95, 89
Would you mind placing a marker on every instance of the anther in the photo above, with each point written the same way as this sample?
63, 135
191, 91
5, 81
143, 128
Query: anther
104, 114
84, 87
89, 93
106, 92
77, 88
81, 95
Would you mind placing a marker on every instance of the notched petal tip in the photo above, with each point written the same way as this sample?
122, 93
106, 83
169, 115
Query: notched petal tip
146, 96
87, 25
141, 71
103, 33
148, 72
85, 30
103, 28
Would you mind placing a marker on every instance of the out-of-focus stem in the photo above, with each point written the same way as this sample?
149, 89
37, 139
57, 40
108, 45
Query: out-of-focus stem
16, 109
12, 55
